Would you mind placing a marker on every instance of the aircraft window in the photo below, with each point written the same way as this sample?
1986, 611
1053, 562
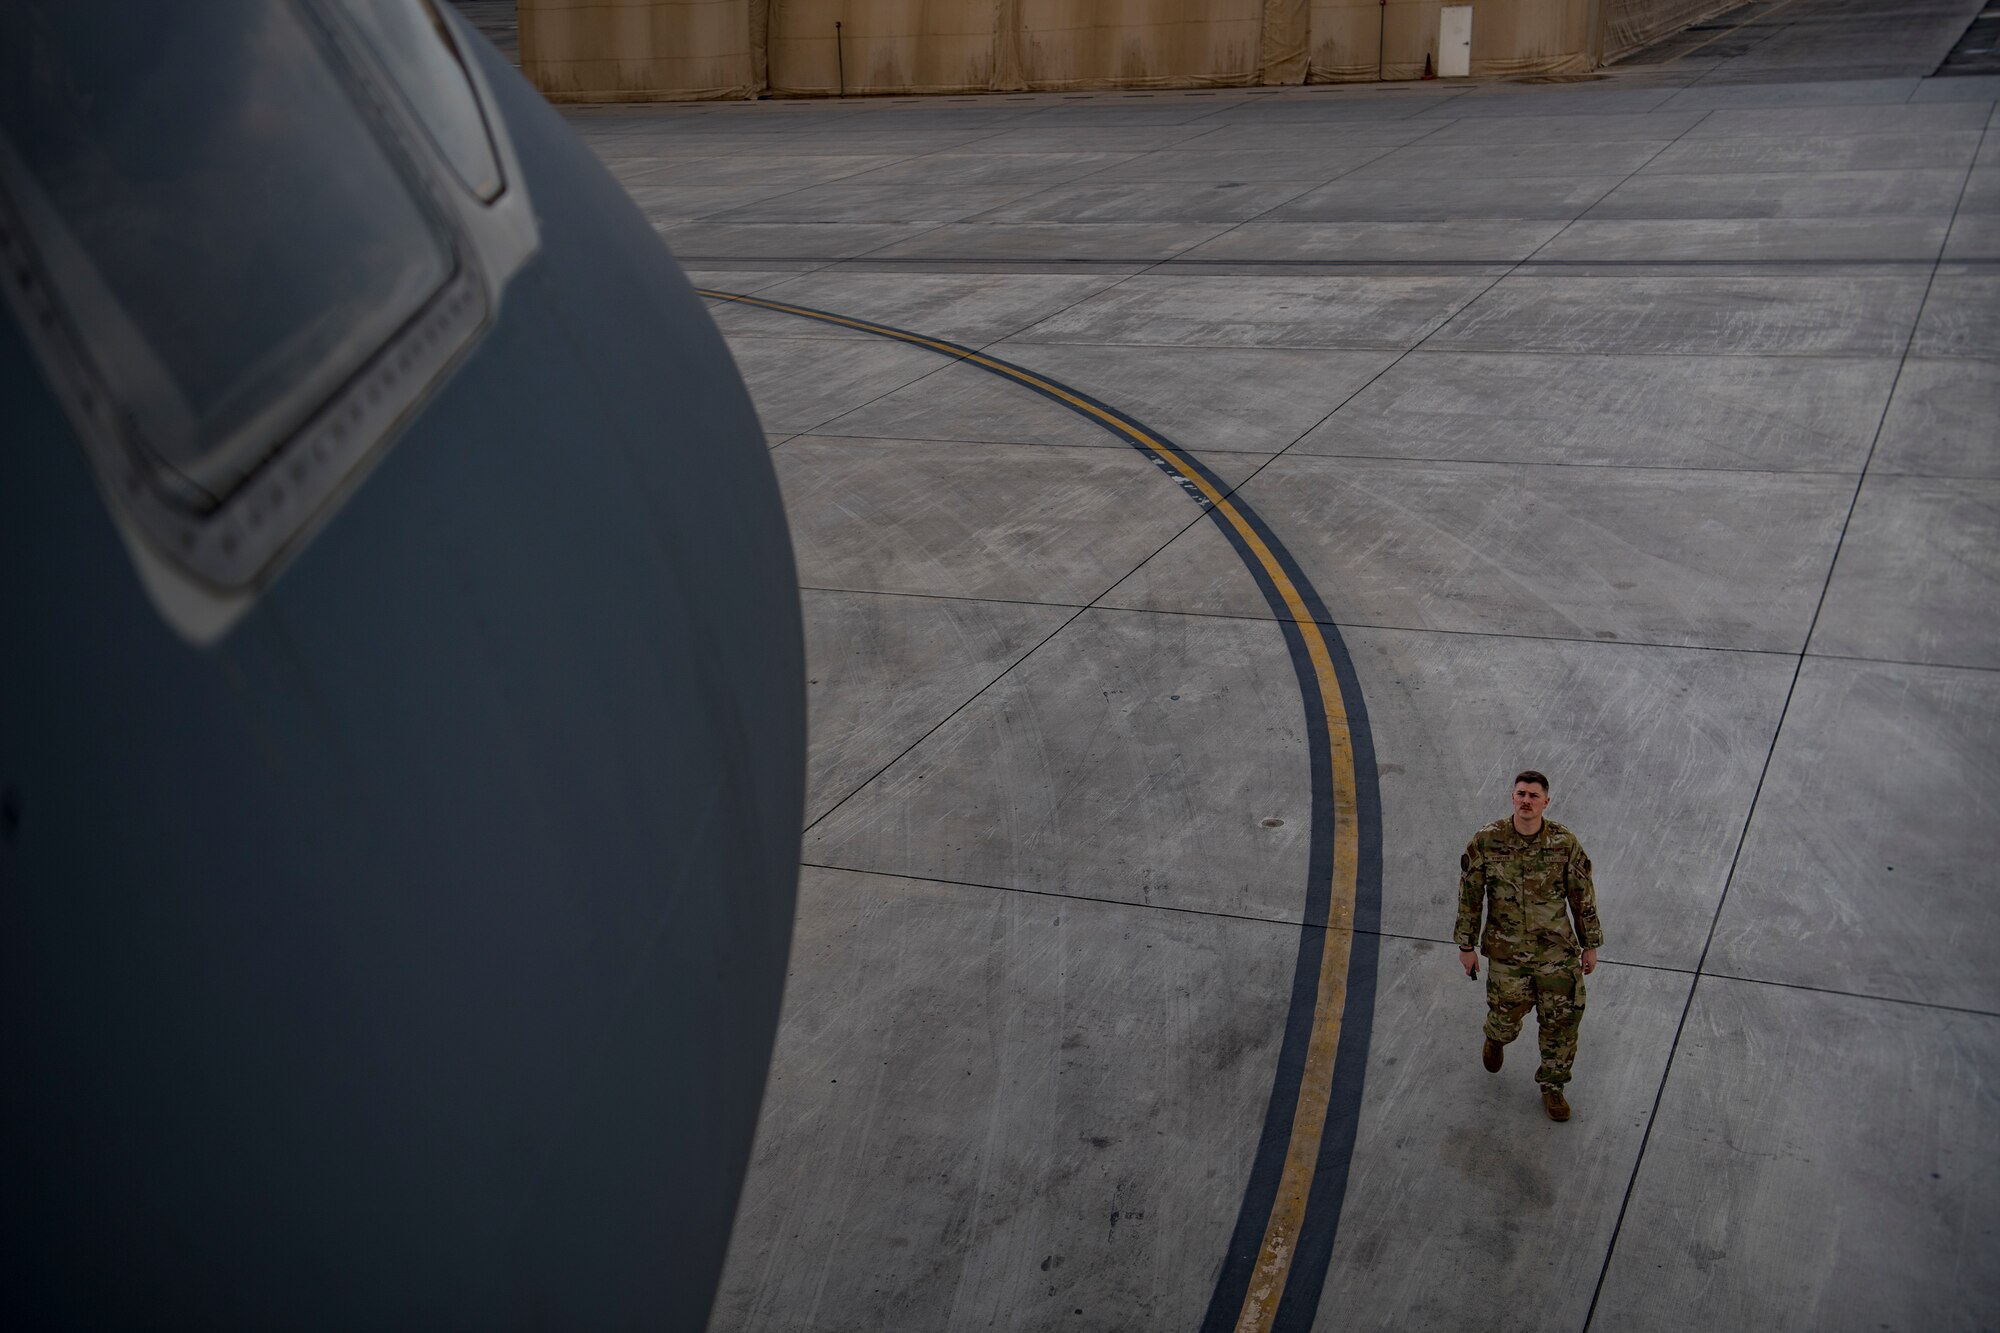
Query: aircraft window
416, 47
225, 235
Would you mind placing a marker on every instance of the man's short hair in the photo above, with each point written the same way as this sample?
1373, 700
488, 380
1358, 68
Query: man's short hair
1530, 775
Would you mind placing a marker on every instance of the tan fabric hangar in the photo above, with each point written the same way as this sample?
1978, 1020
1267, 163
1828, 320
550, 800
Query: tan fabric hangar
674, 50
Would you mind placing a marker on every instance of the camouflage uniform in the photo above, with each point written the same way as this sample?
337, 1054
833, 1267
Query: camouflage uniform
1530, 888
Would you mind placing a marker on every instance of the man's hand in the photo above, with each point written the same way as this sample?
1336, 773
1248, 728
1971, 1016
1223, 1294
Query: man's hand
1589, 961
1469, 960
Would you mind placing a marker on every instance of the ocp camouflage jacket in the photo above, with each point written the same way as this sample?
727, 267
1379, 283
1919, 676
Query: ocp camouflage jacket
1530, 888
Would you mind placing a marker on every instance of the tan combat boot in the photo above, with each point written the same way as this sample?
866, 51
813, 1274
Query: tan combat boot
1491, 1054
1552, 1099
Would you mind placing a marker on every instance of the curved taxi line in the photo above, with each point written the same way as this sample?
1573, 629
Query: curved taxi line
1276, 1262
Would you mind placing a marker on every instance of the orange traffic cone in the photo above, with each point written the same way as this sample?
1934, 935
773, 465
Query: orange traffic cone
1429, 73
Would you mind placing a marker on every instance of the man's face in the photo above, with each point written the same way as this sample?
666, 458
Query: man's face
1529, 800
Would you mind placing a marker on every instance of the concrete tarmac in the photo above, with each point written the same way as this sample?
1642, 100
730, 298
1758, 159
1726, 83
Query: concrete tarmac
1642, 429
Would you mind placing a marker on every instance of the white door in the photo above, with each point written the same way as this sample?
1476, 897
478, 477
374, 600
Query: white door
1454, 41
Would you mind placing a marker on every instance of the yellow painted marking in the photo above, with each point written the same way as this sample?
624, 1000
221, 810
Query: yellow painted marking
1288, 1212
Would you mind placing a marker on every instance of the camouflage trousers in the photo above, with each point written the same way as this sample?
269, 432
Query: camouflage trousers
1555, 992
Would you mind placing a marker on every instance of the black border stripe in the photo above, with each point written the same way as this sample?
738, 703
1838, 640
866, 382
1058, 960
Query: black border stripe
1307, 1275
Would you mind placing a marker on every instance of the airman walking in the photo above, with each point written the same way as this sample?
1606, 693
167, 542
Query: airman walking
1531, 877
